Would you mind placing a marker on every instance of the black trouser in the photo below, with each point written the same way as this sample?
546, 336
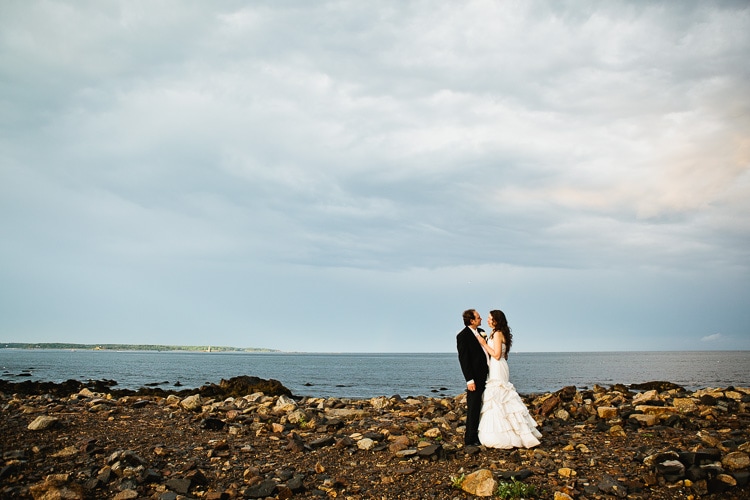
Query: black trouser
473, 412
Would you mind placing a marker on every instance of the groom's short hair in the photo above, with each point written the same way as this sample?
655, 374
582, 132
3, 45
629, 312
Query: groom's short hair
469, 316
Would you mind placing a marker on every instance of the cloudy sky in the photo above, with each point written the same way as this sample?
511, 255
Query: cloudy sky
350, 176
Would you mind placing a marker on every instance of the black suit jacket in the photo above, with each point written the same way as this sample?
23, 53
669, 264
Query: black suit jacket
472, 358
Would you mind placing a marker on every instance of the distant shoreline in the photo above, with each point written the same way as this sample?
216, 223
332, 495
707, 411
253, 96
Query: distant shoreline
129, 347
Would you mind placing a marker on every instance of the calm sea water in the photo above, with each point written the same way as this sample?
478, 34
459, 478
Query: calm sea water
369, 375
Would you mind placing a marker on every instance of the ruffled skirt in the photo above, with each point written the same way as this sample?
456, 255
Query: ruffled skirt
505, 421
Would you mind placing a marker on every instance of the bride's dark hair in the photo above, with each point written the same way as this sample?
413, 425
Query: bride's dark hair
501, 325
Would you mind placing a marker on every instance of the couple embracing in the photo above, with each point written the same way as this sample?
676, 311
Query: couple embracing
495, 415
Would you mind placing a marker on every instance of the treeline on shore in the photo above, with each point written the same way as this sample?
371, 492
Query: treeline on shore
131, 347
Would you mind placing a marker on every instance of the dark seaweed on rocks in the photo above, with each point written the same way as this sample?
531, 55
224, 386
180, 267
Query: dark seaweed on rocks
234, 387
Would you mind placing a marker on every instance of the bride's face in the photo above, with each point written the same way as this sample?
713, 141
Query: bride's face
490, 321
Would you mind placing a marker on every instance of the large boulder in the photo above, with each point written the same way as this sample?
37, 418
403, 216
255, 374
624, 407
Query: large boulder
243, 386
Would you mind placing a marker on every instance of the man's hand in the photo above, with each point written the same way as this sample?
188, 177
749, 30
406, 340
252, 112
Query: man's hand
471, 386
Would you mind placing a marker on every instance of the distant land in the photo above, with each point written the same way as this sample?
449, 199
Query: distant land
131, 347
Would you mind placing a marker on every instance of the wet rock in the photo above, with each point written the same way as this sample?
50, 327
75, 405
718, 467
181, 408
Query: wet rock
244, 385
658, 386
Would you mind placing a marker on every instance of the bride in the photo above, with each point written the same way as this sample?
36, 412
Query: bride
505, 421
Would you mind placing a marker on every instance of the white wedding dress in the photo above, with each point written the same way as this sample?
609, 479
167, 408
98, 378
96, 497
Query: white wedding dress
505, 421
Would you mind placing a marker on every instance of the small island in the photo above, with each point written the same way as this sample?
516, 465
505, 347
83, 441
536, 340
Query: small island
130, 347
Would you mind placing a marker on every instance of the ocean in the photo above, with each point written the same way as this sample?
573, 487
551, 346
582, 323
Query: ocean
356, 376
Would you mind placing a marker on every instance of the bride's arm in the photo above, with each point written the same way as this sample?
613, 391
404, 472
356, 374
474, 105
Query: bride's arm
495, 353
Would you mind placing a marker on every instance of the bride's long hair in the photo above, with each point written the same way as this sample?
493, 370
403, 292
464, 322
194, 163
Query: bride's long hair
501, 325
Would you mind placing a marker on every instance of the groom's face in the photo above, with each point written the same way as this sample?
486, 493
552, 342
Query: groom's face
477, 320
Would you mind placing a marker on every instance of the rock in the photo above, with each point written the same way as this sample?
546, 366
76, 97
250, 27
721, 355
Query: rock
285, 404
406, 453
212, 424
518, 475
66, 452
646, 420
562, 414
380, 403
611, 486
549, 405
617, 430
57, 487
432, 450
659, 386
365, 444
566, 472
672, 470
685, 405
296, 483
322, 442
192, 403
126, 495
645, 397
347, 413
710, 440
86, 393
245, 385
607, 412
297, 416
657, 458
655, 410
44, 422
727, 479
179, 485
480, 483
432, 433
263, 489
736, 460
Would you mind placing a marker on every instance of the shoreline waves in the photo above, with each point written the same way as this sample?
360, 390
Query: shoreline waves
248, 437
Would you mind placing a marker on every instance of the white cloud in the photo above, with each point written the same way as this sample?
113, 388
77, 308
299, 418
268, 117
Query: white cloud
712, 338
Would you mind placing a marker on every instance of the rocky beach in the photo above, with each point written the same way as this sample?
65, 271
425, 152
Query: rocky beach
251, 438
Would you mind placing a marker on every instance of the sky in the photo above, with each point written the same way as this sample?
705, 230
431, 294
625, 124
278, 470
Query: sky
342, 176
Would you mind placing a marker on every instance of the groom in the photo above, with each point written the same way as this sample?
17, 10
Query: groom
473, 362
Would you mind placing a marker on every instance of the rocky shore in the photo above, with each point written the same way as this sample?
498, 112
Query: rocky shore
250, 438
